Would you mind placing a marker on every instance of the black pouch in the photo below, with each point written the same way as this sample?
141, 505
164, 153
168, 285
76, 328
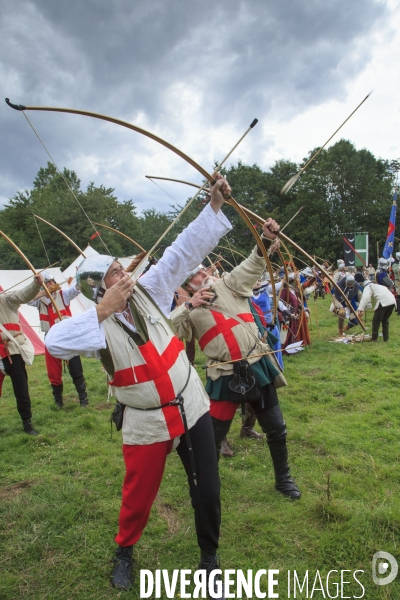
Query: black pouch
117, 415
243, 386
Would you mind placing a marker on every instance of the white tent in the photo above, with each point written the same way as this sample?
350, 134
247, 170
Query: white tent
29, 315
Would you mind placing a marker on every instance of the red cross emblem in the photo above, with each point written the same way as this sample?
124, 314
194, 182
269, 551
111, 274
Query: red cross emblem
224, 327
156, 369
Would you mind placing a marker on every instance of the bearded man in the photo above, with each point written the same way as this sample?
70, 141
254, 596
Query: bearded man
220, 315
164, 401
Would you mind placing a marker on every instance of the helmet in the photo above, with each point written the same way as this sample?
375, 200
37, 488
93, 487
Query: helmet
200, 267
351, 269
91, 273
350, 279
383, 263
47, 276
307, 272
340, 263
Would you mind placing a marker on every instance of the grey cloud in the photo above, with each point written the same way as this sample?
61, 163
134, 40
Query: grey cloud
245, 58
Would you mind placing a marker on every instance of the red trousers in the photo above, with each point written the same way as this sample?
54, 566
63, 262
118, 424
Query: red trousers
144, 470
54, 368
223, 410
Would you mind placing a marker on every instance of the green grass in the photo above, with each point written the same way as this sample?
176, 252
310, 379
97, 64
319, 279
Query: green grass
60, 492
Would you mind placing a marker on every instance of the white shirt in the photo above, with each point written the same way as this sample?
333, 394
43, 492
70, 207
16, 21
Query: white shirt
84, 335
376, 293
68, 294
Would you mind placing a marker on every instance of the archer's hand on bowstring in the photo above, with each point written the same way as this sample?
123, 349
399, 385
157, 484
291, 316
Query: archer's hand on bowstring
115, 298
203, 296
219, 192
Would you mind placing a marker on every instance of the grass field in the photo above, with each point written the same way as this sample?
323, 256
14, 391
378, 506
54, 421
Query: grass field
60, 492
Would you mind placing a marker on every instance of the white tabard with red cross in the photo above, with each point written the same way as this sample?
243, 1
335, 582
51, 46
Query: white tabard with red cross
47, 314
152, 375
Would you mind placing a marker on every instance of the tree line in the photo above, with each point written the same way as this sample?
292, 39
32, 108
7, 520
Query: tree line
343, 191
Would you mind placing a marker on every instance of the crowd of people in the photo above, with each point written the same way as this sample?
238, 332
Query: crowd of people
239, 324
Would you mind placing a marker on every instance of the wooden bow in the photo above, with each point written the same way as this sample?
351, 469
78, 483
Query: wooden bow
22, 255
61, 233
121, 234
244, 215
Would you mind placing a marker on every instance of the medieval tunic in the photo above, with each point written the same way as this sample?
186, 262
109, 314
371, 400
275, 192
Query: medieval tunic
49, 317
396, 271
222, 338
9, 305
132, 379
47, 313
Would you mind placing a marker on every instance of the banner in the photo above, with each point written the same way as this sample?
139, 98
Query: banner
389, 245
355, 249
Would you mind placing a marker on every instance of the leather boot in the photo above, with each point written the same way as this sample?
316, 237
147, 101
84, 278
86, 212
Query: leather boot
209, 562
121, 576
221, 429
57, 393
247, 429
28, 427
226, 450
81, 389
274, 426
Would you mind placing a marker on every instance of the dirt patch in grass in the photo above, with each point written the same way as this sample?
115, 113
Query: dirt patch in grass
11, 491
104, 406
167, 512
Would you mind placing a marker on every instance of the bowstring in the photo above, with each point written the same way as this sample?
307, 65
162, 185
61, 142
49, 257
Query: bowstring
65, 181
41, 239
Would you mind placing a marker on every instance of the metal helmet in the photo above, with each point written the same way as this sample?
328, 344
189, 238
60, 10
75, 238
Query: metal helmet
91, 273
383, 263
350, 279
200, 267
351, 269
47, 276
340, 263
307, 272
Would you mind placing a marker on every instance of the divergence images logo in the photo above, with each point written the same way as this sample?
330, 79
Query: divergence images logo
380, 565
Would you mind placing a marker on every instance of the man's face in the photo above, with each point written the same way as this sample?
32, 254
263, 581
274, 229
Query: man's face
50, 282
199, 280
114, 274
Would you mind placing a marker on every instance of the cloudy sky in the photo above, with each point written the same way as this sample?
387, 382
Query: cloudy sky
195, 73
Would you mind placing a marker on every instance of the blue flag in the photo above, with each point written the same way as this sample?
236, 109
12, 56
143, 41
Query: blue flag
388, 249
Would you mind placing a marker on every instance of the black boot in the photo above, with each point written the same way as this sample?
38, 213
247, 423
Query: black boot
209, 562
274, 427
81, 389
57, 393
121, 576
28, 427
248, 422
